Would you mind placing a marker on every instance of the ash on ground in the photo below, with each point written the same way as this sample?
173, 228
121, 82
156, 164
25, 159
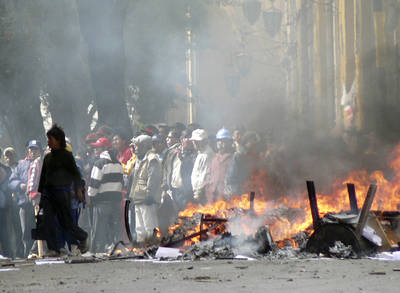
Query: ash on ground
341, 250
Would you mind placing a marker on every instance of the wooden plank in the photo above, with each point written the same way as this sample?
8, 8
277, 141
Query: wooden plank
313, 204
352, 198
365, 209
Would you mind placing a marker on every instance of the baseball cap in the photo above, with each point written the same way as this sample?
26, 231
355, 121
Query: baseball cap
102, 142
199, 135
34, 144
149, 130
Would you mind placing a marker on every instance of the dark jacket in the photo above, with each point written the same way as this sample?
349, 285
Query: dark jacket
239, 171
188, 158
20, 176
167, 166
59, 171
5, 194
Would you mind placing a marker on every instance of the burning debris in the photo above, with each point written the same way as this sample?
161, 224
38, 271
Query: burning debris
264, 226
225, 230
353, 233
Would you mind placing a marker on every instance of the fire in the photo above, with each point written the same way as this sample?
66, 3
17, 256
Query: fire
157, 233
298, 217
125, 250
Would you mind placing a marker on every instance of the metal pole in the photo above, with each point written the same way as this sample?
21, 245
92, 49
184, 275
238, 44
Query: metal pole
189, 70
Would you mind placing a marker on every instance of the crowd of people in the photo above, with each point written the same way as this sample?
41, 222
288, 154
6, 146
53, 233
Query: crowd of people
59, 201
53, 191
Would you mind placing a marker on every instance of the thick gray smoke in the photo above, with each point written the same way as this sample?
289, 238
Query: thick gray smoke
75, 52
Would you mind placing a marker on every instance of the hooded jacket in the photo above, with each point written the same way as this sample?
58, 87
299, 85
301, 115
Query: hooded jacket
20, 176
146, 186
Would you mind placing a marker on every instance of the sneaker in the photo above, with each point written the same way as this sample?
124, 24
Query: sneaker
84, 245
33, 256
75, 250
52, 253
63, 252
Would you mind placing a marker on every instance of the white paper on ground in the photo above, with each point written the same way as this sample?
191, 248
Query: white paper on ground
8, 269
371, 235
49, 261
157, 261
244, 257
395, 256
167, 252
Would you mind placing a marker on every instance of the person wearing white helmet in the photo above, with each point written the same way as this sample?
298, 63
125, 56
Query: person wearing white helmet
201, 168
219, 165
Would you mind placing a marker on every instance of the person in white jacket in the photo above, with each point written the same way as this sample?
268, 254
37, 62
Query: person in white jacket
202, 164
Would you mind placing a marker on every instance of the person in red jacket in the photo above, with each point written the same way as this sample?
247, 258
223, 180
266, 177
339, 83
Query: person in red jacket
120, 144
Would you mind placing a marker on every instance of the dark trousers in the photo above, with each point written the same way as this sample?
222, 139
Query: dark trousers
27, 220
4, 235
15, 232
106, 225
57, 203
63, 236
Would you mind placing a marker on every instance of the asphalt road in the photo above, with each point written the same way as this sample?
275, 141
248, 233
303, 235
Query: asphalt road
287, 275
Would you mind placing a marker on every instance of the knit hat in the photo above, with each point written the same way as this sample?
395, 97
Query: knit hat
143, 141
9, 151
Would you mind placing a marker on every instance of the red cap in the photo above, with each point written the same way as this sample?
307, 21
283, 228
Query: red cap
102, 142
91, 138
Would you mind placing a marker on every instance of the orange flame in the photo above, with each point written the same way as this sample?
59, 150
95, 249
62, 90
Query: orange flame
158, 233
298, 217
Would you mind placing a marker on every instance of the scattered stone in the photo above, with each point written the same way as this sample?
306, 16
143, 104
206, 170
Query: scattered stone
241, 267
377, 273
202, 278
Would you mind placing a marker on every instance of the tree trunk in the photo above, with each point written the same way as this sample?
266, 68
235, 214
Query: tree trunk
101, 23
